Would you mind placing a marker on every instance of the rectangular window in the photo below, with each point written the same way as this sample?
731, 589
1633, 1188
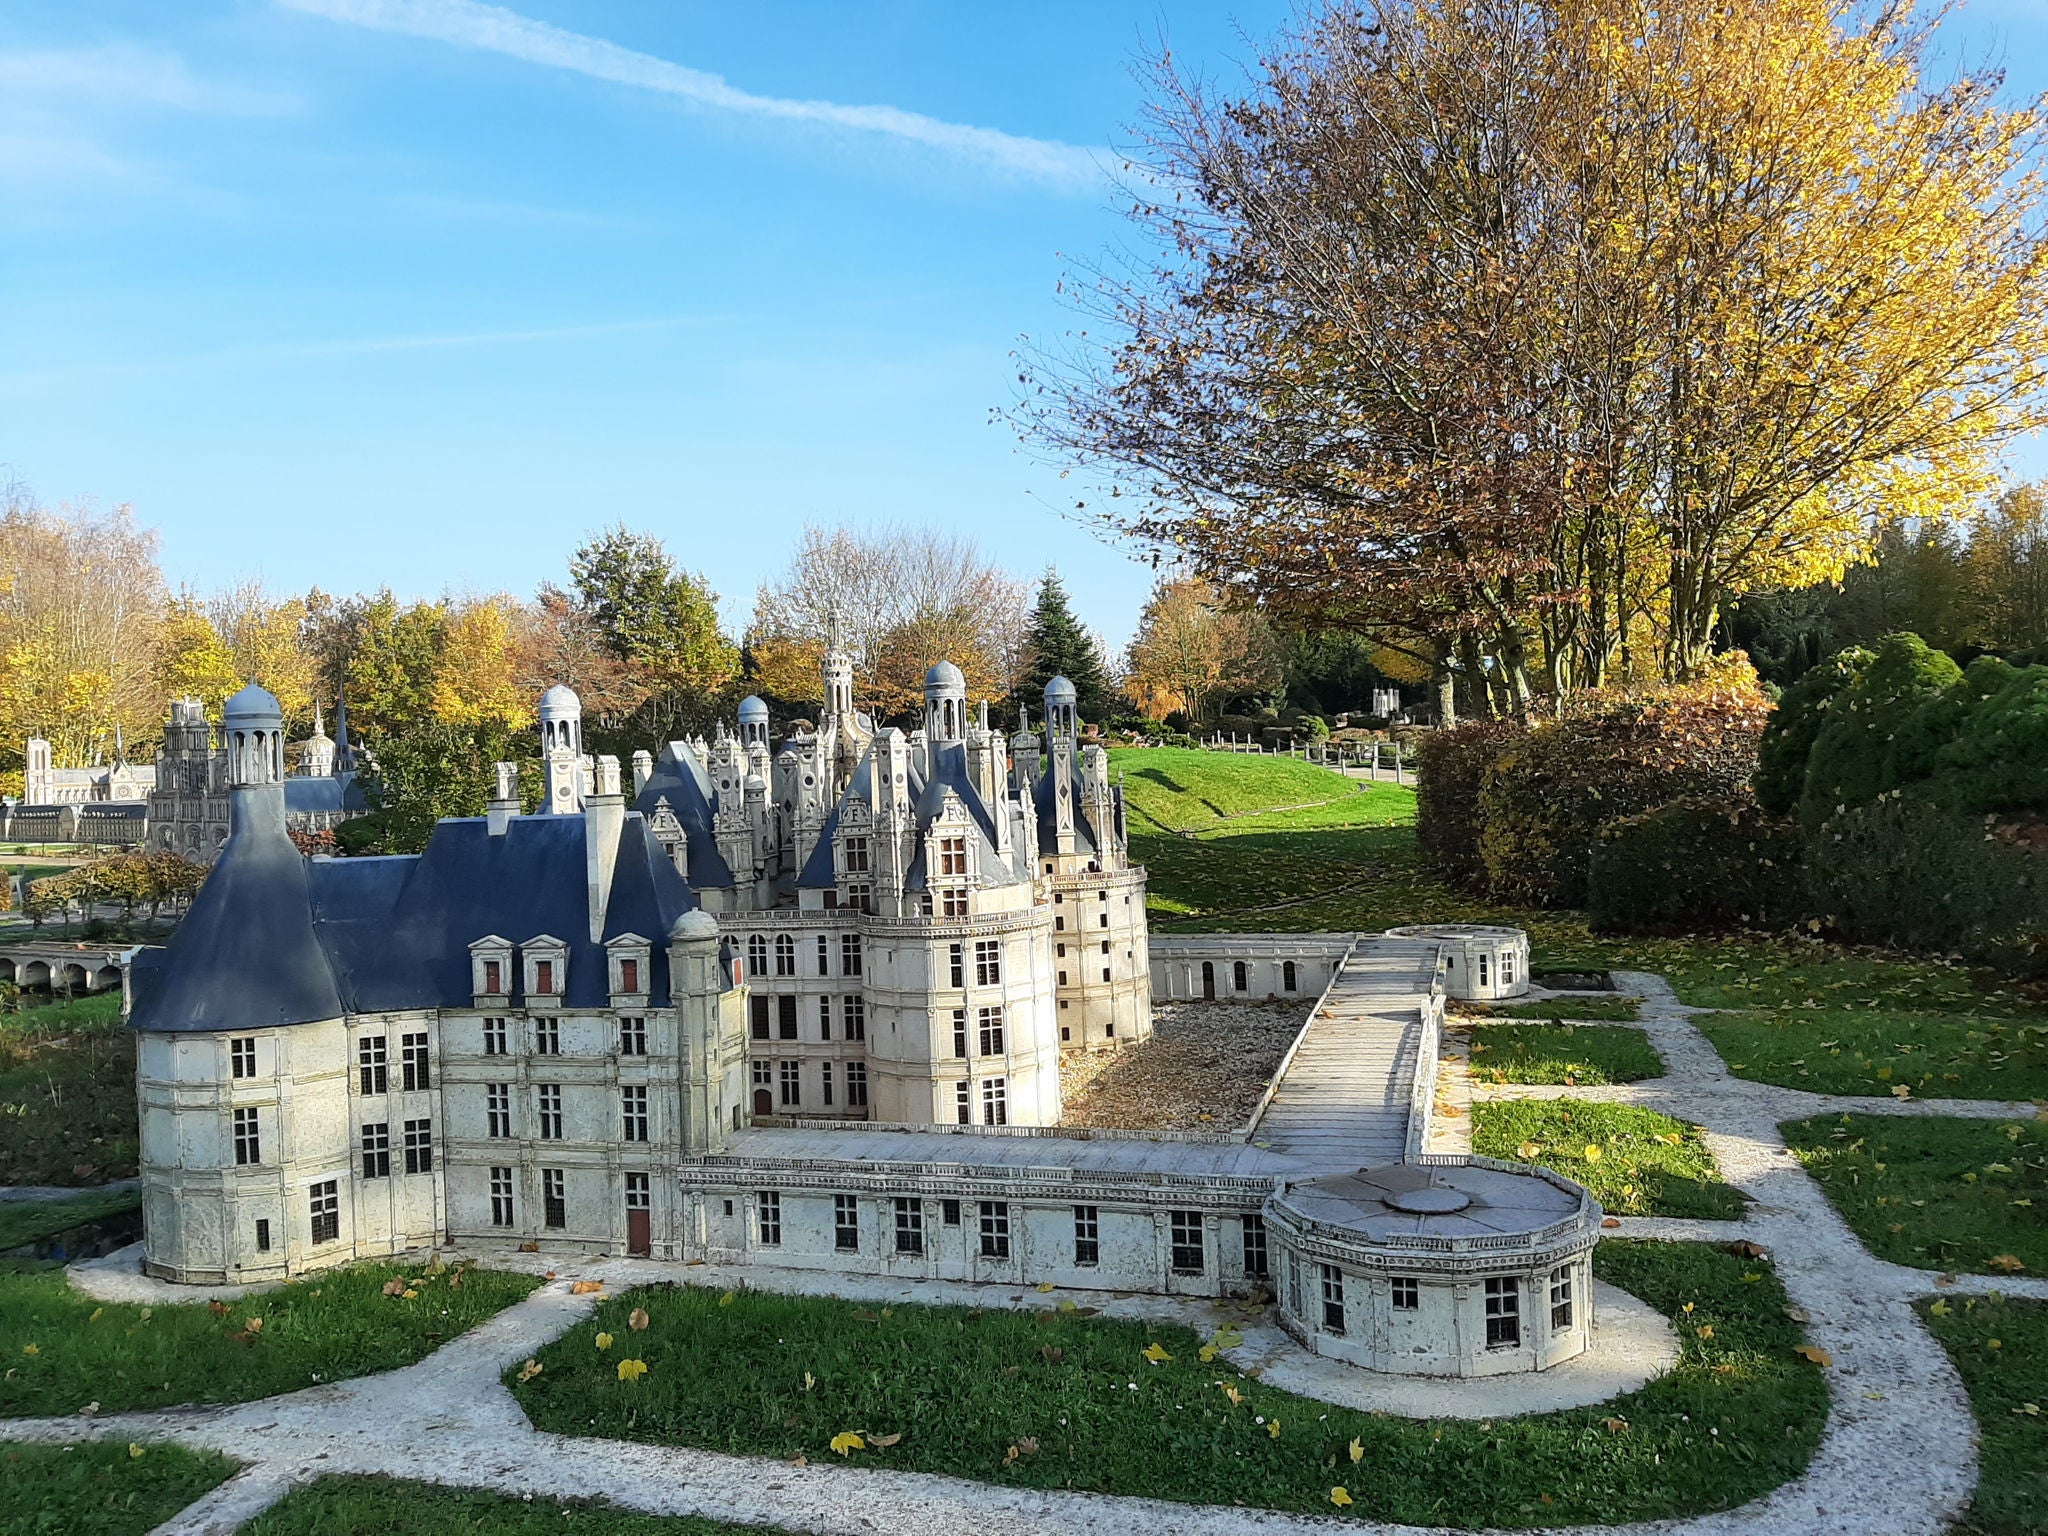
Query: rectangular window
242, 1057
263, 1234
1407, 1293
989, 1022
544, 977
790, 1082
548, 1099
494, 976
1333, 1298
419, 1146
768, 1217
849, 954
856, 855
501, 1197
856, 1085
1560, 1279
952, 855
909, 1224
963, 1102
629, 975
846, 1223
633, 1036
547, 1037
412, 1057
995, 1229
377, 1150
824, 955
1503, 1309
639, 1194
855, 1011
995, 1101
1255, 1245
1482, 968
248, 1140
757, 1015
1507, 967
825, 1082
785, 954
1187, 1242
498, 1110
764, 1074
860, 898
953, 901
960, 1033
554, 1198
988, 962
824, 1018
633, 1112
785, 1016
1087, 1235
949, 1212
956, 965
376, 1078
324, 1202
494, 1037
757, 954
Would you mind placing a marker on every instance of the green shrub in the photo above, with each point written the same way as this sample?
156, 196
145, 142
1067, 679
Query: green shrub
1449, 770
1994, 756
1876, 735
1697, 863
1787, 742
1906, 871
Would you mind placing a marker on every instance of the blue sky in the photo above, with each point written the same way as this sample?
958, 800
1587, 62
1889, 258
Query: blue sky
417, 292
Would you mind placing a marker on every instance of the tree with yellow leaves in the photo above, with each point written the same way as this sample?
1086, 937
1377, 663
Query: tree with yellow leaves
1539, 330
475, 676
1193, 647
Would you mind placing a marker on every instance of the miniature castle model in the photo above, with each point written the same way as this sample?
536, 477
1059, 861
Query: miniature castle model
179, 803
815, 1026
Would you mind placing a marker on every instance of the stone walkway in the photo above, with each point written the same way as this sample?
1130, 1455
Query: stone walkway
1898, 1457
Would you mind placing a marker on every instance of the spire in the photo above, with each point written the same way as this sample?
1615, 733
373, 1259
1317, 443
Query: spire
319, 725
344, 754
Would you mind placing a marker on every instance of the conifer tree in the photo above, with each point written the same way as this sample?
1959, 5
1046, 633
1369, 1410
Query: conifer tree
1057, 645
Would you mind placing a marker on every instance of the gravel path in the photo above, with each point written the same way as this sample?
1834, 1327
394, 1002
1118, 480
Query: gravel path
1898, 1457
1204, 1069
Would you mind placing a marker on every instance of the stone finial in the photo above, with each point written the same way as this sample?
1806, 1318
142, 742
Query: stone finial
508, 781
607, 775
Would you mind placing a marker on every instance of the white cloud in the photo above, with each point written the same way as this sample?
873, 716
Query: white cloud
470, 24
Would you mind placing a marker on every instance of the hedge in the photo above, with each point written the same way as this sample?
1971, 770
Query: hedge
1882, 731
1781, 756
1450, 767
1698, 863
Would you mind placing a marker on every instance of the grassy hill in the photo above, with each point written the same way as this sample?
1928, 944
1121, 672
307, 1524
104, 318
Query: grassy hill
1179, 789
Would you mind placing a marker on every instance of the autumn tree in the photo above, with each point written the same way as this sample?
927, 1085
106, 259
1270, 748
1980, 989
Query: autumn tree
476, 676
1193, 649
1412, 360
904, 598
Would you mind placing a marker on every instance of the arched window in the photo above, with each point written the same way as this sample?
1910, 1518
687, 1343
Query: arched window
785, 955
1238, 979
1287, 979
757, 954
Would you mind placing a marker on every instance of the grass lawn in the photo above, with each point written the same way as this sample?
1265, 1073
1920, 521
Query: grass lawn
1874, 1050
30, 1221
1592, 1055
1635, 1161
1602, 1010
67, 1094
66, 1350
2000, 1348
382, 1506
1062, 1400
1936, 1193
1180, 789
97, 1489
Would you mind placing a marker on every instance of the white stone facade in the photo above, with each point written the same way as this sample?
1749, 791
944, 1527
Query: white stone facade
1482, 963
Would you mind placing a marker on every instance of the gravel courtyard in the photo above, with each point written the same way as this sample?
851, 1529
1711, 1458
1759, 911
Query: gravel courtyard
1203, 1069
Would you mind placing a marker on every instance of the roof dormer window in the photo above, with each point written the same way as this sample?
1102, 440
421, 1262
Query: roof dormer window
627, 958
490, 970
547, 967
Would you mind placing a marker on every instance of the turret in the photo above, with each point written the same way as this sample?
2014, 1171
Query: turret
561, 750
753, 724
1059, 730
838, 674
945, 704
316, 755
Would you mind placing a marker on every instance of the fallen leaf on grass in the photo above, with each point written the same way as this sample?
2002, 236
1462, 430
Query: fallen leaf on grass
1273, 1428
134, 1450
2006, 1262
391, 1288
1340, 1498
1705, 1330
2031, 1410
1357, 1453
217, 1308
883, 1442
637, 1320
1801, 1315
810, 1381
1814, 1353
1052, 1354
604, 1341
1616, 1426
1743, 1248
1939, 1309
531, 1369
254, 1324
632, 1370
846, 1440
798, 1460
1593, 1153
1156, 1354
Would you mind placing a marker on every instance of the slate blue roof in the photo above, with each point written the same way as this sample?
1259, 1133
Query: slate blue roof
272, 939
304, 795
1086, 839
679, 780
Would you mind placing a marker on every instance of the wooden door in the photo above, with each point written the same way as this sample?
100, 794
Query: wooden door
764, 1102
1208, 982
639, 1233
